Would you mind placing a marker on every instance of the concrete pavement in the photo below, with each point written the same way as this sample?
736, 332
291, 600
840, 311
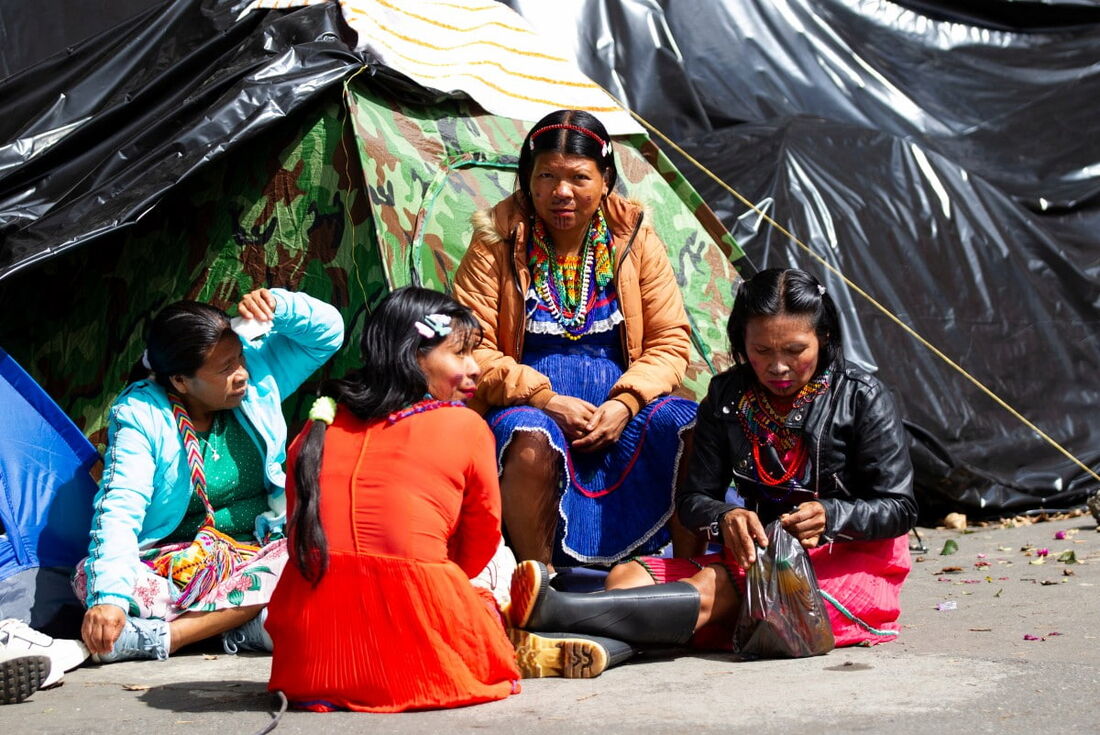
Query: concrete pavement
992, 642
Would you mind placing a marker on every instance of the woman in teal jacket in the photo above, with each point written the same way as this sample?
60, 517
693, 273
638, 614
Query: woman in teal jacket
228, 391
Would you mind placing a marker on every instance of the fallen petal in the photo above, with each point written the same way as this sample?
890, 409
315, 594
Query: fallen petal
1030, 637
947, 605
1059, 535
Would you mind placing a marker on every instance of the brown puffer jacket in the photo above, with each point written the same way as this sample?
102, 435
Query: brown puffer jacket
493, 279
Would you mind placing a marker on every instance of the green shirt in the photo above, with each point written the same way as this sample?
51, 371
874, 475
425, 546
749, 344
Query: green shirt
234, 482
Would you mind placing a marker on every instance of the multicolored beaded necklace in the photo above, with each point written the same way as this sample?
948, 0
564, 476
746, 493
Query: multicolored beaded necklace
426, 404
567, 284
766, 426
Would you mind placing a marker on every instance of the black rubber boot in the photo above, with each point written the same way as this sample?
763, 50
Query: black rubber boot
661, 614
568, 655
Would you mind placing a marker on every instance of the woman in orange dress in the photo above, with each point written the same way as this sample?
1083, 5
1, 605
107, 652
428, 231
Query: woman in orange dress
394, 506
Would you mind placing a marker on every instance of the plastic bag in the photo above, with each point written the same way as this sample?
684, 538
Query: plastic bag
782, 613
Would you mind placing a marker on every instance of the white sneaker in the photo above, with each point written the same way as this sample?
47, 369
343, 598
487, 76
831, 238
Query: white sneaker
497, 575
21, 675
19, 638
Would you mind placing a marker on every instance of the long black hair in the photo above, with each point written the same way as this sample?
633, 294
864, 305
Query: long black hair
389, 380
789, 292
180, 338
585, 136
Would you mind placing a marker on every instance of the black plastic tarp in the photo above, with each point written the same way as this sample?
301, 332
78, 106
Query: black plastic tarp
27, 38
944, 157
92, 136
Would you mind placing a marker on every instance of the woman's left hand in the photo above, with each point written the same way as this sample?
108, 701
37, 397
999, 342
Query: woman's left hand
258, 304
605, 427
806, 523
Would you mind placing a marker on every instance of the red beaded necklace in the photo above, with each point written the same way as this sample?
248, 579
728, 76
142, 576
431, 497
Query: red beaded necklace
764, 425
426, 404
795, 461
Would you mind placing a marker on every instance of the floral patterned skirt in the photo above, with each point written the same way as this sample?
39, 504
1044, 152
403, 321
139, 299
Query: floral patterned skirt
151, 597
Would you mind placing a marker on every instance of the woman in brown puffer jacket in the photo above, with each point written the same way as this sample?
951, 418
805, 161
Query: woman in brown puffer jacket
585, 337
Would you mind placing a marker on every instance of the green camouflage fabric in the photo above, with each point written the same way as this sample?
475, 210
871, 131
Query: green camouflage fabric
428, 169
364, 195
285, 210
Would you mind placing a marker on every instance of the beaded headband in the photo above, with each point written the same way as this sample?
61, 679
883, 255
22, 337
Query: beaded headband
605, 145
433, 325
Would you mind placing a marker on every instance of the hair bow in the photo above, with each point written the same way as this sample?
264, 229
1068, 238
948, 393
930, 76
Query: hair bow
433, 325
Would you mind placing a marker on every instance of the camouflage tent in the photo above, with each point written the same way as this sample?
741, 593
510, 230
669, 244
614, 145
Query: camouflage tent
368, 190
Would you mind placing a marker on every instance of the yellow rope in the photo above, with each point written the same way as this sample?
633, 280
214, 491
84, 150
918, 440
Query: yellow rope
889, 314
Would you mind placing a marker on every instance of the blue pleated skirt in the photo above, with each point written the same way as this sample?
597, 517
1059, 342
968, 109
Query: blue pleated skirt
614, 502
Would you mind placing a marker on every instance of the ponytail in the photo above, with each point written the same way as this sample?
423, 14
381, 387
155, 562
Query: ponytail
309, 548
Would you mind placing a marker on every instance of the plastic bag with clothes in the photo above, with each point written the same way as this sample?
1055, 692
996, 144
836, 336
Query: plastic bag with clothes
782, 614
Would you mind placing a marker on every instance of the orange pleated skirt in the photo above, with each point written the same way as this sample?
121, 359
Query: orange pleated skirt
385, 634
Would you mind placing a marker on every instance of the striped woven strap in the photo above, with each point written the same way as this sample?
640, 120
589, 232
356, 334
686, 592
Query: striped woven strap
194, 454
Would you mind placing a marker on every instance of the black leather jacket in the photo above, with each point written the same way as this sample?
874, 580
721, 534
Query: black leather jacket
858, 459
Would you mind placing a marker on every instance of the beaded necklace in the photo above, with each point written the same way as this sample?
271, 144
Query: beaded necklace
556, 281
572, 278
426, 404
766, 426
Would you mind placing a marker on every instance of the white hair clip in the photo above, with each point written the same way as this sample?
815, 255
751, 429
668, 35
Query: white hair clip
820, 289
434, 325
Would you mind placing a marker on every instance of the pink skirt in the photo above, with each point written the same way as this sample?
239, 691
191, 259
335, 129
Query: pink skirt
860, 581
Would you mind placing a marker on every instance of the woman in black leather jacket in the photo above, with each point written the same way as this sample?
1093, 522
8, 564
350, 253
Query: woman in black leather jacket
803, 438
852, 478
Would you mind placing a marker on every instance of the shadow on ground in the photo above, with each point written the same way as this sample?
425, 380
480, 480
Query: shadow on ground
210, 696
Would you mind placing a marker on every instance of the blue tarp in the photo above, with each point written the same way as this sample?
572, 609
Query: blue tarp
46, 494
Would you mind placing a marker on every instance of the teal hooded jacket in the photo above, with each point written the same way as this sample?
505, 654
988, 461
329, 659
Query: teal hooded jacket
146, 485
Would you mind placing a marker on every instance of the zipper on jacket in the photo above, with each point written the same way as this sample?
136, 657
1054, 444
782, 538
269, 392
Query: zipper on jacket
522, 302
818, 437
618, 268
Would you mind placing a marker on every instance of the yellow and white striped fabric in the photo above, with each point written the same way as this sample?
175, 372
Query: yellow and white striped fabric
478, 47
